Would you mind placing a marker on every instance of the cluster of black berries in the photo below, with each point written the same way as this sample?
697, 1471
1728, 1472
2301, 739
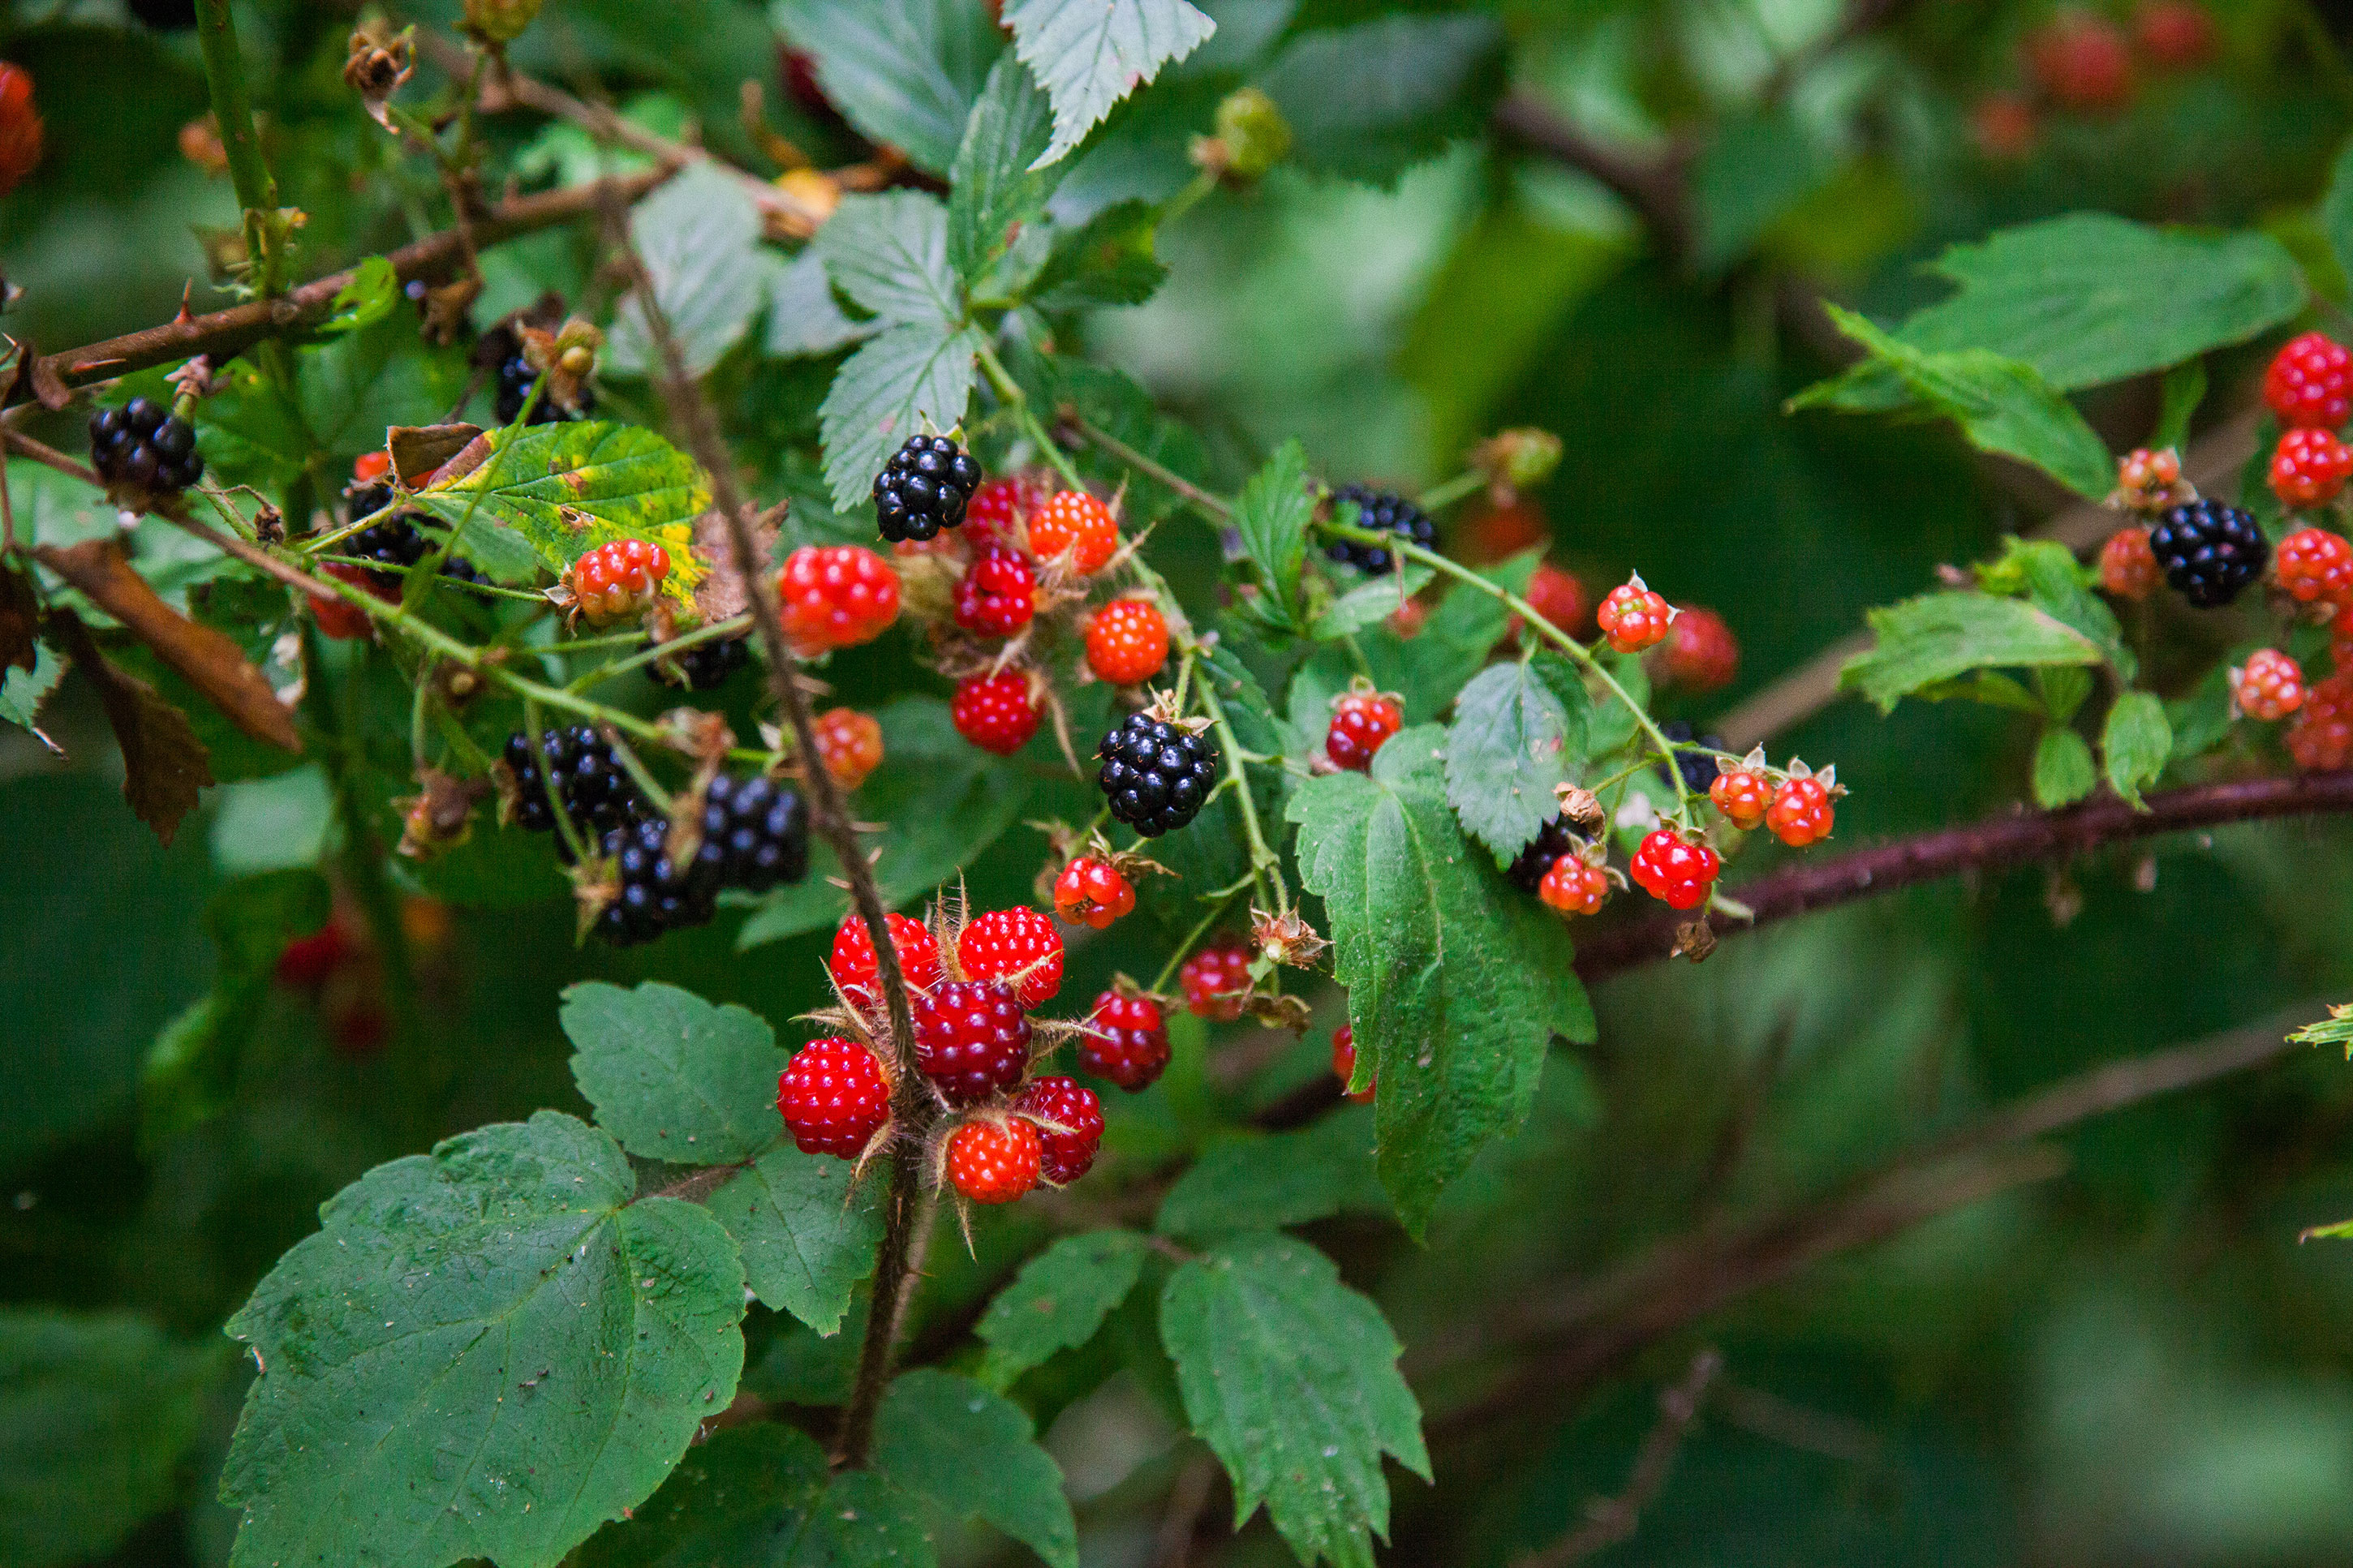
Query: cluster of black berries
755, 834
397, 542
1389, 514
141, 444
923, 488
1698, 769
708, 664
2210, 552
1554, 840
516, 378
1156, 775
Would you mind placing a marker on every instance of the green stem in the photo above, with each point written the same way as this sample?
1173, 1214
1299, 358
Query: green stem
1009, 392
736, 626
1184, 201
1263, 859
1214, 507
537, 730
1441, 496
257, 192
1192, 938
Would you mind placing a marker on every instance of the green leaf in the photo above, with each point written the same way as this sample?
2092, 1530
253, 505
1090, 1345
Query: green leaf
996, 186
1109, 260
354, 385
1090, 54
1291, 1377
1058, 1301
22, 692
1277, 1180
1272, 517
366, 299
2336, 1029
941, 800
2136, 742
502, 1299
700, 235
1456, 985
2001, 405
888, 253
1111, 401
672, 1077
2064, 771
567, 488
2204, 719
1513, 739
898, 379
976, 1455
903, 71
2047, 572
1986, 686
1932, 639
806, 1237
1369, 603
96, 1415
803, 317
1367, 102
762, 1496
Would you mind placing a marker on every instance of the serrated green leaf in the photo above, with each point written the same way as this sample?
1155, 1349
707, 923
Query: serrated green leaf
355, 385
1455, 984
884, 393
2064, 770
97, 1414
1272, 516
1291, 1378
1985, 686
762, 1496
1367, 102
501, 1298
974, 1455
1109, 260
672, 1077
2136, 742
803, 317
1058, 1301
905, 72
366, 299
699, 234
1369, 603
996, 185
2336, 1029
1090, 54
1277, 1180
2203, 720
1513, 739
888, 253
564, 489
940, 801
1935, 639
22, 692
807, 1237
2047, 572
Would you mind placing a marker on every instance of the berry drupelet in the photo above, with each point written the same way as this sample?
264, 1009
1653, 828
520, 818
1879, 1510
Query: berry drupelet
142, 444
755, 834
2210, 551
655, 894
1387, 514
1156, 775
923, 488
596, 789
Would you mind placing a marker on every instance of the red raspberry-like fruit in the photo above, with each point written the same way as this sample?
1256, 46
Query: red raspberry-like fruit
995, 1161
618, 579
1127, 641
2004, 126
1506, 530
849, 745
1675, 870
998, 593
1559, 598
2309, 467
2269, 686
1126, 1041
2310, 383
1077, 522
836, 595
1407, 619
852, 966
1633, 617
1802, 812
995, 713
1701, 653
1574, 888
2082, 61
1092, 892
2147, 474
1019, 947
2315, 564
1065, 1155
309, 960
340, 618
971, 1039
995, 513
371, 468
2128, 567
1744, 795
1344, 1064
2321, 738
20, 126
1216, 980
1362, 723
2175, 34
2341, 638
834, 1096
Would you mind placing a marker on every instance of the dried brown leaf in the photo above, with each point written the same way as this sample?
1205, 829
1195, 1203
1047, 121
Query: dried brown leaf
164, 763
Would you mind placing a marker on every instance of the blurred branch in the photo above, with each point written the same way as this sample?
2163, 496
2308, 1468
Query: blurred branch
222, 335
1654, 185
1609, 1521
2013, 840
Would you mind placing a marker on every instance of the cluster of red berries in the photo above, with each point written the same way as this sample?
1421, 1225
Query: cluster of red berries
1093, 892
1797, 805
20, 126
2082, 62
2309, 387
617, 579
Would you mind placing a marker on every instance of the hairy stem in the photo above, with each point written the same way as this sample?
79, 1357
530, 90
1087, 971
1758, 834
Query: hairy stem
257, 192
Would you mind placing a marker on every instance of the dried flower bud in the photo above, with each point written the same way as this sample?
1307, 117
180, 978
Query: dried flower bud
1518, 459
1252, 138
381, 61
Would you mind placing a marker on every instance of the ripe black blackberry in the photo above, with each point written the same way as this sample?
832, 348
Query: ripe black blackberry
397, 542
516, 379
1390, 514
141, 444
2210, 552
1156, 775
708, 664
654, 895
596, 790
1553, 840
923, 488
755, 834
1698, 771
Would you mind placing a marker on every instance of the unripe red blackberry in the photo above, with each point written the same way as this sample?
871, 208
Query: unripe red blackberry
852, 964
998, 593
1216, 980
1070, 1122
971, 1039
1362, 723
995, 1161
833, 1096
1126, 1042
1019, 947
2310, 383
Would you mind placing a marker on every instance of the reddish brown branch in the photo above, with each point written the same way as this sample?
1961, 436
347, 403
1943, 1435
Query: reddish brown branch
222, 335
1609, 1521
